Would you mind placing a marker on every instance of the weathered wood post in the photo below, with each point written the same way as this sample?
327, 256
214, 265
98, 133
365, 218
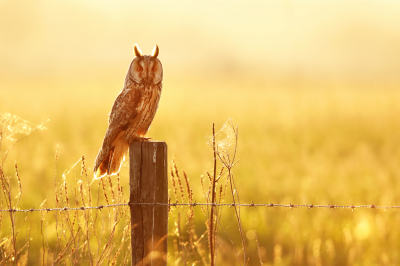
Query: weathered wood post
148, 184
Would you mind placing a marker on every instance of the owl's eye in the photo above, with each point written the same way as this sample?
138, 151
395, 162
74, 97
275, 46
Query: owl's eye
140, 69
154, 69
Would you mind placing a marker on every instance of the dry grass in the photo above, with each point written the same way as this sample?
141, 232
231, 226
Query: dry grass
89, 236
84, 237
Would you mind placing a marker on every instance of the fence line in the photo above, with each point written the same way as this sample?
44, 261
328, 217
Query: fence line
270, 205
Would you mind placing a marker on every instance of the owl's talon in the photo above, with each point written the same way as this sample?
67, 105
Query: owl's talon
145, 139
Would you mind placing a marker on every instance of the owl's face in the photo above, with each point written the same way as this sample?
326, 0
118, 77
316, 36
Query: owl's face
146, 69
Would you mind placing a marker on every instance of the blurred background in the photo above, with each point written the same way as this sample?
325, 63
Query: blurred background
313, 86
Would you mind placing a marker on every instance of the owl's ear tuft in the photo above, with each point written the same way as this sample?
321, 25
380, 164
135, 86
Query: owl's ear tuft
155, 51
137, 50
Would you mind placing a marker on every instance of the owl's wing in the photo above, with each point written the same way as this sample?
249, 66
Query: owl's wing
124, 110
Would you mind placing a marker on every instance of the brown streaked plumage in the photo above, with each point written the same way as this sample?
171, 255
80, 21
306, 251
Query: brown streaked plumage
132, 112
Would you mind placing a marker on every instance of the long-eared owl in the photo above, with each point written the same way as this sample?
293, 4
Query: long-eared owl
132, 112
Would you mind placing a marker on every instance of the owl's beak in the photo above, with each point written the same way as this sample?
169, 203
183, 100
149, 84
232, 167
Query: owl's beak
149, 79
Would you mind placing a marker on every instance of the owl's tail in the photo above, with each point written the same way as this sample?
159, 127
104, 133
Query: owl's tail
109, 162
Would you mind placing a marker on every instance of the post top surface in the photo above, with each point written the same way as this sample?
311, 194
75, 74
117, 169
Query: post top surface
149, 142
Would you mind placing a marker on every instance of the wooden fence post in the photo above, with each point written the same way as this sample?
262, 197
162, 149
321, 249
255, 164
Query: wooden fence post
148, 183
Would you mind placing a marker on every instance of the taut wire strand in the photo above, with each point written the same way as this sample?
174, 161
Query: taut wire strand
270, 205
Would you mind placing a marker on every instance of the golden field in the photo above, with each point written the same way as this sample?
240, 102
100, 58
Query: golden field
337, 147
318, 118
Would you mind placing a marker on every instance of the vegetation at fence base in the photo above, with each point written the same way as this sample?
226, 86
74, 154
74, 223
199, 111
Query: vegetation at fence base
301, 146
90, 237
188, 247
86, 236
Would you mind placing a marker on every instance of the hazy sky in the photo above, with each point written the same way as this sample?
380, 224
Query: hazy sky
264, 39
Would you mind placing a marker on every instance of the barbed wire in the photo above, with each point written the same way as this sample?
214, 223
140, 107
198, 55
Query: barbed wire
194, 204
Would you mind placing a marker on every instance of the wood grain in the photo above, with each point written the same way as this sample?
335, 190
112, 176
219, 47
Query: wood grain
148, 184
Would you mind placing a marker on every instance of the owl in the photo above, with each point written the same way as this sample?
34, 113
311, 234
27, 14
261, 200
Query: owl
132, 112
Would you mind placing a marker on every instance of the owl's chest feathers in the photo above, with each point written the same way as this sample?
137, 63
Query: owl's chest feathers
144, 103
148, 102
143, 97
